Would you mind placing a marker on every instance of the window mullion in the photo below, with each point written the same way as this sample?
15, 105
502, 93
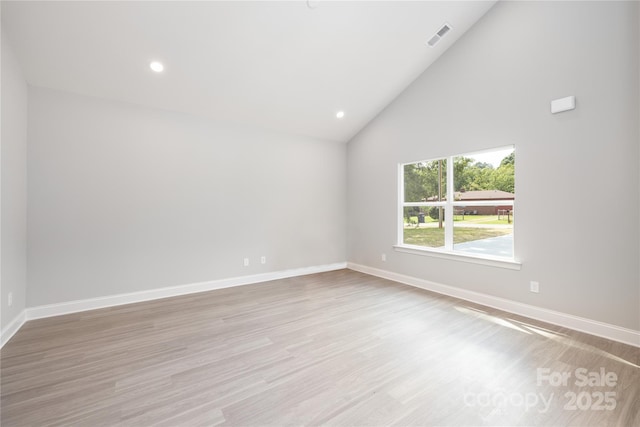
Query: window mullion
448, 211
400, 221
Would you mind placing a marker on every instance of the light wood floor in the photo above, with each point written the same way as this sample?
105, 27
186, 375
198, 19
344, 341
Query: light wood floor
339, 348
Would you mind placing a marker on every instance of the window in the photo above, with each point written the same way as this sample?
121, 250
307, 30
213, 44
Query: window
461, 204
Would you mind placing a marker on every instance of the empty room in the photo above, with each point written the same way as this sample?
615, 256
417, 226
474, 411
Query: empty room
314, 212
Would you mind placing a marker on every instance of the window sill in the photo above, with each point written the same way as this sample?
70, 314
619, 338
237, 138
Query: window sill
458, 256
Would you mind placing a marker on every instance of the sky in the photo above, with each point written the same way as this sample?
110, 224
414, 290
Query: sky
494, 156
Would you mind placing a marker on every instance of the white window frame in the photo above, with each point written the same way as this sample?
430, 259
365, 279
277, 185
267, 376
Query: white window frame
448, 252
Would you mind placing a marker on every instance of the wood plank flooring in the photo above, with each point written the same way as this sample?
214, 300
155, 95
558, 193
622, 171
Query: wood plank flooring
339, 348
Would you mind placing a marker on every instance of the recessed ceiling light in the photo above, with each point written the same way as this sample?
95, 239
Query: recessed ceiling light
156, 66
340, 114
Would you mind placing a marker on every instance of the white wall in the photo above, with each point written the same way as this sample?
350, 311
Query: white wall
14, 186
125, 198
577, 176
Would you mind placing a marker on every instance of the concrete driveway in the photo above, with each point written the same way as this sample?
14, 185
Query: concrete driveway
497, 246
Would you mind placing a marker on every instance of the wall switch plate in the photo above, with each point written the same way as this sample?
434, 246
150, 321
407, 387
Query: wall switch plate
10, 299
246, 262
263, 260
383, 257
535, 287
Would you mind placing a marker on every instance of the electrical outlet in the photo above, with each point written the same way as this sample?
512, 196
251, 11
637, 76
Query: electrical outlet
263, 260
10, 299
535, 287
383, 257
246, 262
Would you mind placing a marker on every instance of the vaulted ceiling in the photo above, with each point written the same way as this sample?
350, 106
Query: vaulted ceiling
286, 66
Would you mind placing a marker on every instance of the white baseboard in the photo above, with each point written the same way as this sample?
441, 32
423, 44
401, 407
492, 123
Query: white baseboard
593, 327
12, 327
152, 294
51, 310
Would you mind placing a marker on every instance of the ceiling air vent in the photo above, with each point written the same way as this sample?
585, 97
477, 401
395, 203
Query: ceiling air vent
439, 35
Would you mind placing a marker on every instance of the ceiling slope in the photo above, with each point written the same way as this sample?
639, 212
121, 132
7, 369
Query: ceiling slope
277, 65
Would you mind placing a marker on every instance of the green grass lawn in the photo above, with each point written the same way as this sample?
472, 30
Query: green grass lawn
482, 219
475, 219
434, 237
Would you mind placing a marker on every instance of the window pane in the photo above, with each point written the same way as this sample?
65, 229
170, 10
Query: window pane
484, 176
484, 230
425, 181
424, 226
